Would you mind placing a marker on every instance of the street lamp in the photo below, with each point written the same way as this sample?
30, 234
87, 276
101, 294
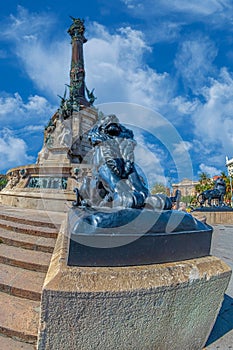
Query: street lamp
229, 165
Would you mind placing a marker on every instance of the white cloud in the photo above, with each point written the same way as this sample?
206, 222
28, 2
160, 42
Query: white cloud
213, 119
218, 9
118, 72
13, 150
164, 20
132, 4
34, 128
14, 112
163, 30
149, 158
210, 170
194, 62
182, 147
45, 60
184, 105
198, 6
27, 119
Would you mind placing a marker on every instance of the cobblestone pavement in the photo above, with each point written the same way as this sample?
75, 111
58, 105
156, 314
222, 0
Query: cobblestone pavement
221, 337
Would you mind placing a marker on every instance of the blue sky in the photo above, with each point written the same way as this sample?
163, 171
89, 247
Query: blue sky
174, 57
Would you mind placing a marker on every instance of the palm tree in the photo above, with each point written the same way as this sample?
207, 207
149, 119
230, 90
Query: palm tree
228, 194
159, 188
205, 183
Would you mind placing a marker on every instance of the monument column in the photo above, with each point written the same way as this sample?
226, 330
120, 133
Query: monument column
77, 72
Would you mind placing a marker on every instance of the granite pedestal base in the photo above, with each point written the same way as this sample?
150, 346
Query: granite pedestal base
170, 306
134, 237
214, 217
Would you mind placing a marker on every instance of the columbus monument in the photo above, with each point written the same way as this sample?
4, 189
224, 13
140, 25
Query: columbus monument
65, 154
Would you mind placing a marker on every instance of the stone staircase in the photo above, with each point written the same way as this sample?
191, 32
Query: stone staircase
27, 239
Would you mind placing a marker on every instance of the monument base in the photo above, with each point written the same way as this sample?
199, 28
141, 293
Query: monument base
213, 217
123, 237
168, 306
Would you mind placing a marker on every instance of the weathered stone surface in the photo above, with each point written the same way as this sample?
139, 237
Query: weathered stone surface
24, 314
169, 306
215, 217
38, 199
31, 217
27, 259
27, 241
28, 229
12, 344
20, 288
21, 282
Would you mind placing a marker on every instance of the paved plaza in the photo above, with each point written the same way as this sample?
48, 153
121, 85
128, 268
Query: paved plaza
221, 337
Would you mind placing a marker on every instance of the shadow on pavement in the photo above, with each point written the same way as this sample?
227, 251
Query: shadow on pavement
224, 321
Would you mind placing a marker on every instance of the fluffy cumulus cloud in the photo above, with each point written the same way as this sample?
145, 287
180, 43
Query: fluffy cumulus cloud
149, 157
182, 147
15, 113
117, 70
210, 121
13, 150
185, 105
218, 9
210, 170
44, 59
164, 20
194, 62
197, 7
213, 119
22, 125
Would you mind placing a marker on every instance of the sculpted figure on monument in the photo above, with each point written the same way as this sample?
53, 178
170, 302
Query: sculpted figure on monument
66, 108
91, 96
64, 133
13, 179
77, 27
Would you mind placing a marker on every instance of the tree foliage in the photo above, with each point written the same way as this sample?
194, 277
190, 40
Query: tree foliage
159, 188
3, 181
187, 199
228, 187
205, 183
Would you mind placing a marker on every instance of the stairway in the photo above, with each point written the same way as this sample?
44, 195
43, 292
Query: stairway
27, 239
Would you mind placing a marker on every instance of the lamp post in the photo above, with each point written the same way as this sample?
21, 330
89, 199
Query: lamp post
229, 165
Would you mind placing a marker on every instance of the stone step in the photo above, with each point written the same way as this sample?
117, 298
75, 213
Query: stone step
27, 241
28, 229
19, 318
7, 343
27, 221
32, 216
21, 282
24, 258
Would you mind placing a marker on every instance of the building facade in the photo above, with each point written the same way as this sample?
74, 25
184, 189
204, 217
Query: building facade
229, 165
186, 186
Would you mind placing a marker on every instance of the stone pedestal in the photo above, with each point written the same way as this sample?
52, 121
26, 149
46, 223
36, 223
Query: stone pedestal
214, 217
68, 147
169, 306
